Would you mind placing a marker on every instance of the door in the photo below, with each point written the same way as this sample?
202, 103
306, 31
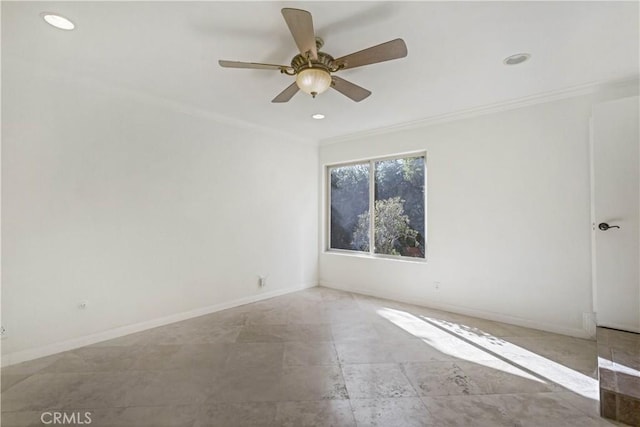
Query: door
616, 213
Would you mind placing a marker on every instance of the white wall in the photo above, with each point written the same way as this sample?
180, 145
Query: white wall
508, 217
141, 209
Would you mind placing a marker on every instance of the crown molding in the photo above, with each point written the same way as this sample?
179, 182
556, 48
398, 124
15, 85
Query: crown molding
207, 115
513, 104
85, 79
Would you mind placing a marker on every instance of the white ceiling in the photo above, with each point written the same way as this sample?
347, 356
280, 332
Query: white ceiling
170, 50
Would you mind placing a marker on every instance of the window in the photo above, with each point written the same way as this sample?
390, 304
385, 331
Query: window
393, 191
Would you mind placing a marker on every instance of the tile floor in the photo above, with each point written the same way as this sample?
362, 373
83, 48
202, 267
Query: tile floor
319, 357
619, 365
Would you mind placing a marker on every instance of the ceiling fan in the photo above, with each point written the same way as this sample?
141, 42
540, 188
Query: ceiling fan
314, 69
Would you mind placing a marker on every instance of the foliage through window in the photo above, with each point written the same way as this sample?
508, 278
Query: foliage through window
398, 201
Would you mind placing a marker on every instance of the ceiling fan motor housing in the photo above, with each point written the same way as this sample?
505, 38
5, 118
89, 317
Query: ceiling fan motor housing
324, 61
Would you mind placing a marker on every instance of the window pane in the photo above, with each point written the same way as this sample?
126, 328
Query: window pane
350, 207
399, 207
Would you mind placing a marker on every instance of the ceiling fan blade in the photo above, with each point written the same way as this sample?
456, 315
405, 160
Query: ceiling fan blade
254, 65
300, 24
286, 94
393, 49
349, 89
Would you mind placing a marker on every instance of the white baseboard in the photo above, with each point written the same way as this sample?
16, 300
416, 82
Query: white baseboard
488, 315
47, 350
589, 324
621, 327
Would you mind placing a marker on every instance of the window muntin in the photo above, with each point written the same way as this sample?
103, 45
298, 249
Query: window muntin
396, 186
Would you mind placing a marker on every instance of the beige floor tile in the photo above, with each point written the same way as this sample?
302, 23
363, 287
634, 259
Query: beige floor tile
618, 339
254, 384
171, 387
198, 356
349, 313
422, 351
452, 348
145, 416
501, 377
555, 347
309, 354
302, 315
263, 333
266, 356
440, 379
9, 380
249, 414
193, 334
277, 316
154, 357
376, 381
312, 332
401, 331
364, 351
348, 331
587, 403
319, 413
309, 332
578, 421
312, 383
568, 374
104, 389
546, 409
626, 360
40, 391
465, 411
402, 411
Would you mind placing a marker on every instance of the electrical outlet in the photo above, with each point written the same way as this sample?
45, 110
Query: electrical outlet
262, 281
436, 285
3, 332
82, 305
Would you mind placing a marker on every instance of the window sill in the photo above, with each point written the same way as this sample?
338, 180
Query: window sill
338, 252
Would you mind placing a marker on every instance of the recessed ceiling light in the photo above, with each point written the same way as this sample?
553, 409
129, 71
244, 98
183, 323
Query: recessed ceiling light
318, 116
516, 59
58, 21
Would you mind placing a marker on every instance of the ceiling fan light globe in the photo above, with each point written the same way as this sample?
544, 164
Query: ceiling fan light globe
313, 81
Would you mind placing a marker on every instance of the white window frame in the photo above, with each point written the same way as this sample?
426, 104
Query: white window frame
371, 254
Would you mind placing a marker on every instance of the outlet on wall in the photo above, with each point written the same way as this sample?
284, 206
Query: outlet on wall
262, 281
3, 332
436, 285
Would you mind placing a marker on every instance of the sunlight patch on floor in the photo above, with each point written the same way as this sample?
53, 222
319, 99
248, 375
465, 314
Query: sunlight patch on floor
618, 367
475, 345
